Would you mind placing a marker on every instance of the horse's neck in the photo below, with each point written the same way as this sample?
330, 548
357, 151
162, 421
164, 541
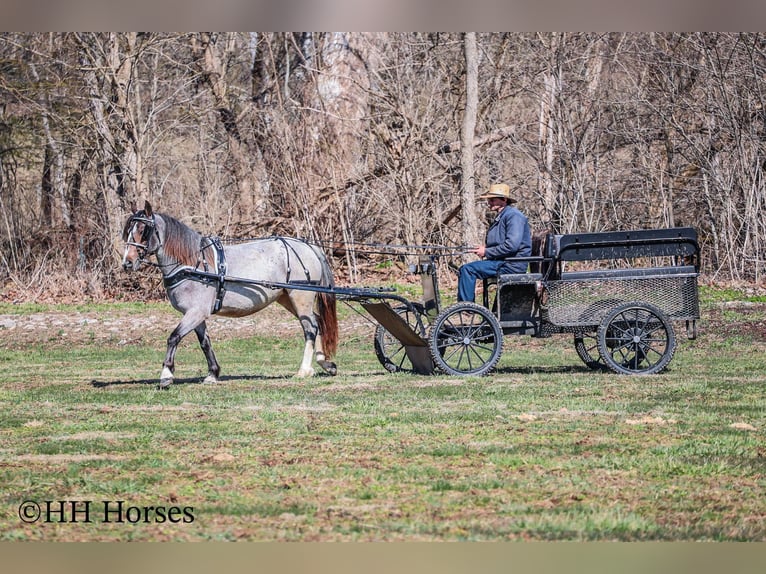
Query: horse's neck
168, 265
172, 255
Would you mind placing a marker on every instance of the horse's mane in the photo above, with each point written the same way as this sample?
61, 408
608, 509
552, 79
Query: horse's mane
181, 242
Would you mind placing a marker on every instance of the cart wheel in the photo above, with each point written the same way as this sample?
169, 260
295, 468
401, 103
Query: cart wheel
389, 350
586, 345
636, 339
466, 339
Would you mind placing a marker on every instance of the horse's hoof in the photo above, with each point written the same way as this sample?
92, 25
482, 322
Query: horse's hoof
210, 380
329, 367
165, 383
304, 374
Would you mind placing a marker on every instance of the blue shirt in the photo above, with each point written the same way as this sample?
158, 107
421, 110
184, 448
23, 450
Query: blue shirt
509, 236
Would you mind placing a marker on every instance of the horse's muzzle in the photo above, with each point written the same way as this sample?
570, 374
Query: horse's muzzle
131, 265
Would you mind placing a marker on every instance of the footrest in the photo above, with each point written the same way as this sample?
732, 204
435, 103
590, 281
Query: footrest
415, 346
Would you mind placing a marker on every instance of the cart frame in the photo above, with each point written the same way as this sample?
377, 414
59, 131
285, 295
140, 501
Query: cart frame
619, 303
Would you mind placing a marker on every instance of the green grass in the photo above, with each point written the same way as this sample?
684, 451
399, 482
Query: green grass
718, 294
543, 449
134, 308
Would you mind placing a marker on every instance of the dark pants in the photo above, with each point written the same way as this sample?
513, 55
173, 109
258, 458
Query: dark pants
484, 269
470, 272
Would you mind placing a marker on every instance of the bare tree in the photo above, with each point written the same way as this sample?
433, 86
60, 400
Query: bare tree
468, 132
350, 138
215, 54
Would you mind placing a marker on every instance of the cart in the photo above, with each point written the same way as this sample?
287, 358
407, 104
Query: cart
617, 294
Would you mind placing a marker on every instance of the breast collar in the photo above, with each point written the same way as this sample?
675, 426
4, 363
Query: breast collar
206, 275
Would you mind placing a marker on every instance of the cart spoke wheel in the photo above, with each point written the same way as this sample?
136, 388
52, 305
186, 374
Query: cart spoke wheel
636, 339
466, 339
586, 345
389, 350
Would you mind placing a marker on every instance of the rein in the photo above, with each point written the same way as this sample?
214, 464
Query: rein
217, 276
372, 248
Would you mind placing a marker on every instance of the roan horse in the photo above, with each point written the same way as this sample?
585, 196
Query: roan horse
202, 277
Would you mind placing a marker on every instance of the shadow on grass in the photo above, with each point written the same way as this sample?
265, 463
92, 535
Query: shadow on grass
558, 369
195, 380
503, 370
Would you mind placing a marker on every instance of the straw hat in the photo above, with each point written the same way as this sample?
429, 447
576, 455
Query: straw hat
499, 190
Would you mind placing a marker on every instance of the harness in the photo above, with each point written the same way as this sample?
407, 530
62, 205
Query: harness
216, 277
289, 248
211, 272
150, 228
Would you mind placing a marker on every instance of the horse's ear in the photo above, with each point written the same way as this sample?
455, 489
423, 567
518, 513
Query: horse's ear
133, 207
147, 209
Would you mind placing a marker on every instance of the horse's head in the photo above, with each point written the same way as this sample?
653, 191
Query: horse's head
140, 236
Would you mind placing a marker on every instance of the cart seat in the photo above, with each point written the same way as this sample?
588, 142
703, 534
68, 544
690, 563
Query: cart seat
519, 278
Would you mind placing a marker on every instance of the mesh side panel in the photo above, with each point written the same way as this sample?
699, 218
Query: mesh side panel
586, 301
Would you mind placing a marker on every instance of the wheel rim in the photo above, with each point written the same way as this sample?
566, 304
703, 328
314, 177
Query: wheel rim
586, 345
636, 339
389, 350
466, 340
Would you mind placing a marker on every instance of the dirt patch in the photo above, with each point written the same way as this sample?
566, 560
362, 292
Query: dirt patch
62, 458
120, 327
750, 322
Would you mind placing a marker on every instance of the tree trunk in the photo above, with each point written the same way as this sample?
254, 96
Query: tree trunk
53, 174
247, 166
471, 232
46, 190
547, 139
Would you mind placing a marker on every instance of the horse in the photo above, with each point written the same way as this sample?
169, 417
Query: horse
202, 277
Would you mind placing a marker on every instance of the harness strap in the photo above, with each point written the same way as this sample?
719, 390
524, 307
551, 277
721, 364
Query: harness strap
288, 249
218, 279
150, 228
221, 292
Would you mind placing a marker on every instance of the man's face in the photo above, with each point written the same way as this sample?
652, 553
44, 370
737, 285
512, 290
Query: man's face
496, 203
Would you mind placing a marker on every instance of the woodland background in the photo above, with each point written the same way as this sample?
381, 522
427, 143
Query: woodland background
383, 138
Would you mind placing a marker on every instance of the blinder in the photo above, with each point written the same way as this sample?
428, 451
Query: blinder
150, 229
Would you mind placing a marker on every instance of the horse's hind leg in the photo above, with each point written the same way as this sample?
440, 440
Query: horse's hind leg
310, 330
301, 304
213, 368
330, 367
313, 348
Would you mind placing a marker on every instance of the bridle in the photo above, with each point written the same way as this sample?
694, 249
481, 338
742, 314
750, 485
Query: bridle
150, 229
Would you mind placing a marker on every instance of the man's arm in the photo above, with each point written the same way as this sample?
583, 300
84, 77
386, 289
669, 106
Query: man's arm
512, 233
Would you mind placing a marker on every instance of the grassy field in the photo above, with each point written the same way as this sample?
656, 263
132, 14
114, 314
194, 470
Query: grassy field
543, 449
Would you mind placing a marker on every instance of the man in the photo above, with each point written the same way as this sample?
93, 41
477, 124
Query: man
508, 236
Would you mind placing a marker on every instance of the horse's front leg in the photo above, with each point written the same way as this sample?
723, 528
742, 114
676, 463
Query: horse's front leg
190, 321
213, 368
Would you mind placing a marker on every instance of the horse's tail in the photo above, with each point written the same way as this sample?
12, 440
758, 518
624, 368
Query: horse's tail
328, 323
327, 315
